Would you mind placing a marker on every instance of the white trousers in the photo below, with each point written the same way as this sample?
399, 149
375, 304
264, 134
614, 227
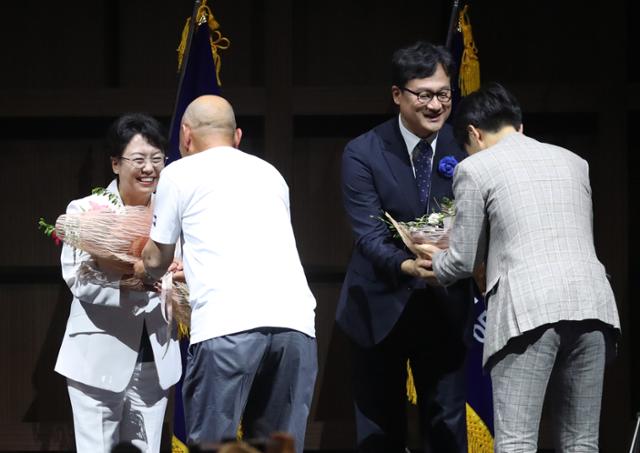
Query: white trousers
103, 419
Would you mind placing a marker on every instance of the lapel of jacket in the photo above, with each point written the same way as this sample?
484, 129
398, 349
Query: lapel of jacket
397, 158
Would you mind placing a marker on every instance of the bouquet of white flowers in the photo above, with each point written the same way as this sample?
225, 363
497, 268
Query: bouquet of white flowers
429, 229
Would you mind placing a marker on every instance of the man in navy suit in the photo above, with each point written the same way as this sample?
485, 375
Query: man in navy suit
400, 167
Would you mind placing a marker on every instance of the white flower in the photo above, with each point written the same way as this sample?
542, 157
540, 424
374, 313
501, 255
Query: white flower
435, 218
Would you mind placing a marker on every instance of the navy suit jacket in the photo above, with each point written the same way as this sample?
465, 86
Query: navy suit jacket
377, 176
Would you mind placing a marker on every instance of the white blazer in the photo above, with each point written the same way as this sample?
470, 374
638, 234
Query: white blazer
102, 338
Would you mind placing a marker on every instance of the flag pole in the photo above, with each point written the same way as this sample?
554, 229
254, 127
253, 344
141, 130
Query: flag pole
452, 23
185, 60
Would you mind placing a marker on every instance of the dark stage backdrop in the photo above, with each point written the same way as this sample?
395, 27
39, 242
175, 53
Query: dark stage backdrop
304, 78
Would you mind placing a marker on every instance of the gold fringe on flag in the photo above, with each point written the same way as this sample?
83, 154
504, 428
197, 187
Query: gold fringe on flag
182, 47
479, 438
469, 77
183, 330
412, 395
177, 446
239, 431
217, 41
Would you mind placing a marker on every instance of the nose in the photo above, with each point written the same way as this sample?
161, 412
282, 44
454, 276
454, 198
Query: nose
148, 166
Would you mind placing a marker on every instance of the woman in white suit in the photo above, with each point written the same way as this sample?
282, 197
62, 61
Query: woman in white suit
118, 354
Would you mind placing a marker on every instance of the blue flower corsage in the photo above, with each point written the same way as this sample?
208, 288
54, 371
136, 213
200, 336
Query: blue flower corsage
447, 166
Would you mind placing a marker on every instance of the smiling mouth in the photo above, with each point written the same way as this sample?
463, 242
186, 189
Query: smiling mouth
147, 180
432, 116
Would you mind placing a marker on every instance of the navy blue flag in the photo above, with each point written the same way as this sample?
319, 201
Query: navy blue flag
479, 394
199, 65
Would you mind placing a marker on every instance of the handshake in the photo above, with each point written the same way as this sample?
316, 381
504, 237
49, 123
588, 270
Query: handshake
422, 265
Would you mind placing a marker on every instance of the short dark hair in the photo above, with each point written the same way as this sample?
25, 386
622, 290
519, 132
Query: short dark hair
128, 126
418, 61
490, 108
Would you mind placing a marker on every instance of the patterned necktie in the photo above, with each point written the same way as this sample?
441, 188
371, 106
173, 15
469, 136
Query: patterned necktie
422, 157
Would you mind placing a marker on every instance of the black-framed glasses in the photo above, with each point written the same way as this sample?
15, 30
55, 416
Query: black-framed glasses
426, 96
139, 162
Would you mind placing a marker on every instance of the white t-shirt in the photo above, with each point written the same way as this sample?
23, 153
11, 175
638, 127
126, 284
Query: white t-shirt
240, 257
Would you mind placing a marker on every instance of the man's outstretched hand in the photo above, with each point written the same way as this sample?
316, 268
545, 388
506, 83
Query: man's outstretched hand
426, 251
420, 268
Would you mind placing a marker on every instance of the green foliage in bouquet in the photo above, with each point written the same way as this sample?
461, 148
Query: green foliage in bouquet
110, 195
46, 228
435, 219
49, 230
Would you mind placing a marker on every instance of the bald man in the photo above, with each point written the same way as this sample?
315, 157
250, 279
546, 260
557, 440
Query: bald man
253, 351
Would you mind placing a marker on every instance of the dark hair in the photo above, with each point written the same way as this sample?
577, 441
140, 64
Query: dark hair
418, 61
128, 126
490, 108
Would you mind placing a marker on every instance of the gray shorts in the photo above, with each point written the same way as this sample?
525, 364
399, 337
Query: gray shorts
264, 377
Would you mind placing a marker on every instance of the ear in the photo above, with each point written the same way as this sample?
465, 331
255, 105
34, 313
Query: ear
395, 94
475, 135
237, 137
185, 139
115, 165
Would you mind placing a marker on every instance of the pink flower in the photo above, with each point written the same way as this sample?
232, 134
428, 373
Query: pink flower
97, 207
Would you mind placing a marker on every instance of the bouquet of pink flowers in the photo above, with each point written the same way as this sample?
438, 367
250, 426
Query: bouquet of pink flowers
114, 235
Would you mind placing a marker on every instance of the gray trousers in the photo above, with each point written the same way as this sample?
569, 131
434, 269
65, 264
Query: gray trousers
263, 376
568, 359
